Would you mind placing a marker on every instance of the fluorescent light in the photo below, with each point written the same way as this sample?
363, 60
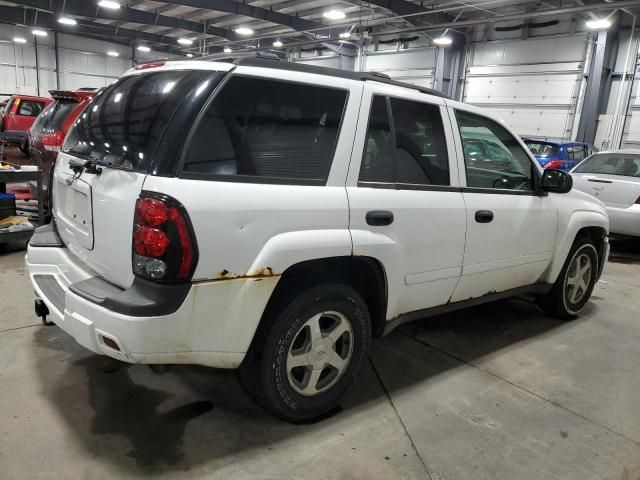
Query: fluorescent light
144, 48
277, 44
67, 21
19, 40
185, 41
39, 33
109, 4
598, 23
189, 55
345, 35
113, 53
227, 50
443, 41
244, 31
334, 15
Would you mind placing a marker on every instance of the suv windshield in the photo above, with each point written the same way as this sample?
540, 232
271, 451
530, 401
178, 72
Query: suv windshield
122, 127
611, 164
543, 150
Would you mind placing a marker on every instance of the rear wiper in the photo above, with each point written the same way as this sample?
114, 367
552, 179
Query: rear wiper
90, 166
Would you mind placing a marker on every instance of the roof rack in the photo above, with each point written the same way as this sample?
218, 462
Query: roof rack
332, 72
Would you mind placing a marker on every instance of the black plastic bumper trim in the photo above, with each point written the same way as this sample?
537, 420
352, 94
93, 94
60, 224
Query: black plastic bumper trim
51, 290
142, 299
46, 236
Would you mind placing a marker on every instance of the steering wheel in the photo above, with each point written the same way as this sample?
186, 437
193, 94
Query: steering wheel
504, 182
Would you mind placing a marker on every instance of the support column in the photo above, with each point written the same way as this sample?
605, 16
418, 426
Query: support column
449, 62
592, 99
57, 55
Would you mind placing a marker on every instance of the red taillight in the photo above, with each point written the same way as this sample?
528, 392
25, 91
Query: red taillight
52, 141
144, 66
164, 246
553, 164
149, 242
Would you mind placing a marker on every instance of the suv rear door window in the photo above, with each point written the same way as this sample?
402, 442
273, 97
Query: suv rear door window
274, 131
121, 128
411, 150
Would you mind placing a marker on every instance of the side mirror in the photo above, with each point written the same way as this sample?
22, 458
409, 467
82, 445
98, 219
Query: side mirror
556, 181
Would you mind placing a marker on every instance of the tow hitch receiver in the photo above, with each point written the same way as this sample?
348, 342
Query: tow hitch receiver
42, 311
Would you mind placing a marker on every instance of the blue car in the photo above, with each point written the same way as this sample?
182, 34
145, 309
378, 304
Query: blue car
557, 153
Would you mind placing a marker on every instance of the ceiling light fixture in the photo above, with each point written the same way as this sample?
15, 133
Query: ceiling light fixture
334, 15
110, 4
244, 31
113, 53
67, 21
19, 40
189, 55
443, 41
185, 41
345, 35
598, 23
39, 33
144, 48
227, 50
277, 44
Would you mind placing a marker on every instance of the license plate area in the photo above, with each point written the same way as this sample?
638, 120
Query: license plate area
74, 210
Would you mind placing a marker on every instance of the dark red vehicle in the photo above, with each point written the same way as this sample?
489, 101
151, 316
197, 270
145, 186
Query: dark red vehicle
47, 134
18, 116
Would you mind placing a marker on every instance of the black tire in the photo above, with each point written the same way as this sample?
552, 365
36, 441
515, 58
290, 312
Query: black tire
264, 371
557, 303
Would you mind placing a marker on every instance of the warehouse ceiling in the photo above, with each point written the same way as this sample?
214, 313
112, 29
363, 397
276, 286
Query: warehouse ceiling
202, 27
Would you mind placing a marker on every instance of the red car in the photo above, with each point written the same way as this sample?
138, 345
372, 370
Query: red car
47, 134
18, 116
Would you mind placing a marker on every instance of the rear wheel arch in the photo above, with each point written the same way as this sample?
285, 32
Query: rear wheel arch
365, 274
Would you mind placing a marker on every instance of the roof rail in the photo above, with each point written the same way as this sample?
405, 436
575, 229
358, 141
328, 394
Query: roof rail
332, 72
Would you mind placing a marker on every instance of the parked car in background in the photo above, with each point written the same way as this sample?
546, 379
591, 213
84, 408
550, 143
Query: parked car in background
614, 178
274, 216
19, 114
3, 105
47, 134
557, 153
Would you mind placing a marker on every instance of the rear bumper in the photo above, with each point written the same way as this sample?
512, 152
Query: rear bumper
625, 221
213, 324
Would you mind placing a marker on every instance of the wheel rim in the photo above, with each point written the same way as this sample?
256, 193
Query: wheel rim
578, 278
320, 353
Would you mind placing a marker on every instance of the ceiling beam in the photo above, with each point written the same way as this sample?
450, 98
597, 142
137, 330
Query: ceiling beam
108, 33
238, 8
124, 14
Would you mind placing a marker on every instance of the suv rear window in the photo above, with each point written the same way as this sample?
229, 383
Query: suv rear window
53, 116
543, 150
268, 131
121, 128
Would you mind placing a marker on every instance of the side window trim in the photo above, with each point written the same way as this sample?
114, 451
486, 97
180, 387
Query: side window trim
462, 165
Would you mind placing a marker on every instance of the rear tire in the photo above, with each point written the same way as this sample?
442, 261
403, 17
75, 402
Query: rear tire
572, 290
307, 355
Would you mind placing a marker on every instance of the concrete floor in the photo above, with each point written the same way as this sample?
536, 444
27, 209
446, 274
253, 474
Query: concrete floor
495, 392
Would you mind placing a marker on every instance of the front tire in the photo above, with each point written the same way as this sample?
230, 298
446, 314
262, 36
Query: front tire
572, 290
308, 356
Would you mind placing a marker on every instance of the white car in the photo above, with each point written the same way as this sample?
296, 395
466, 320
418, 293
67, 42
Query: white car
614, 178
274, 216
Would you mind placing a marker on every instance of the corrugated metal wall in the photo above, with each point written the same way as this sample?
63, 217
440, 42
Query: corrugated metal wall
83, 62
534, 85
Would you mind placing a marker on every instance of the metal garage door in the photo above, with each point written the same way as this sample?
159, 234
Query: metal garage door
533, 84
416, 66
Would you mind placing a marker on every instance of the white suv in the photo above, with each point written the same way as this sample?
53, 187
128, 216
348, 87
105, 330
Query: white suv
274, 216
